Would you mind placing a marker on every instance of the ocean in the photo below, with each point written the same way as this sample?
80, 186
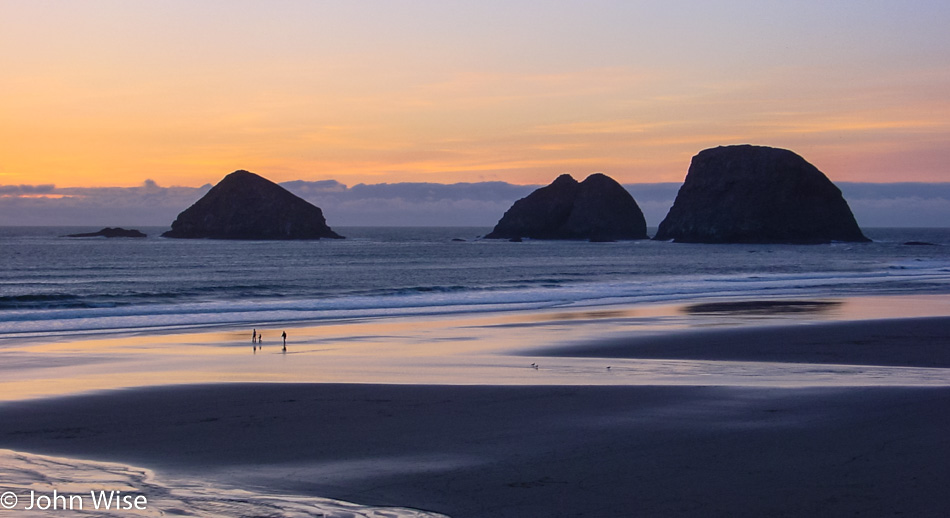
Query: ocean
126, 293
53, 285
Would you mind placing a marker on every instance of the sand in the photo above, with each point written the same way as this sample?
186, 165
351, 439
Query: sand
693, 449
908, 342
527, 451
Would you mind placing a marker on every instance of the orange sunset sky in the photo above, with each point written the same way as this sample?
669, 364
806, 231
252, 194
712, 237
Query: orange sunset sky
111, 93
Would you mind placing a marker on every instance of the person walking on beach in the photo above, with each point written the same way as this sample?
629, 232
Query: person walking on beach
284, 336
254, 336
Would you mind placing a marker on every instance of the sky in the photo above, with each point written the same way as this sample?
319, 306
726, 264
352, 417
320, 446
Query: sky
180, 93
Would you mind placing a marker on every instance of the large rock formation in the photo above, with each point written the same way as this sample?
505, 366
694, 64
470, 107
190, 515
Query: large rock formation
598, 209
755, 194
246, 206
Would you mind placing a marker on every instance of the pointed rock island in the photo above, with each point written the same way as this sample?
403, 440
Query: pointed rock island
757, 194
247, 206
598, 209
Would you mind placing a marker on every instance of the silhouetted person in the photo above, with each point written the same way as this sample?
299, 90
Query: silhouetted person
284, 336
254, 336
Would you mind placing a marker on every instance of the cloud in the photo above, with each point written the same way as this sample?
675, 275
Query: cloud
907, 204
302, 188
413, 204
19, 190
145, 205
476, 204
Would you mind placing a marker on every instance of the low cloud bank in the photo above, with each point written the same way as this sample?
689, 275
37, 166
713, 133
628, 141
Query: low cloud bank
47, 205
416, 204
412, 204
908, 204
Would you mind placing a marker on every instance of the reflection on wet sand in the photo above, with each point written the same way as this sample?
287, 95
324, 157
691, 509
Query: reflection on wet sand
763, 307
477, 348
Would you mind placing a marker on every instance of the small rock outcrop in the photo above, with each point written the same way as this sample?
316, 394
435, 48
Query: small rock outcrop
756, 194
246, 206
111, 232
597, 209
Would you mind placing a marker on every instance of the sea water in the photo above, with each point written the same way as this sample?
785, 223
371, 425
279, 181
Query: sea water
56, 285
40, 485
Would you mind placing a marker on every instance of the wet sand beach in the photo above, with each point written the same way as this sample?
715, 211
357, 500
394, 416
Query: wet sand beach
526, 451
783, 416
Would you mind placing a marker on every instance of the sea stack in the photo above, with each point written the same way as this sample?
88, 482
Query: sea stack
246, 206
597, 209
757, 194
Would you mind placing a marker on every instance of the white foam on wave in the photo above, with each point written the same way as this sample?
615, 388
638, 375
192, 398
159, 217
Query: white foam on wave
21, 473
656, 289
